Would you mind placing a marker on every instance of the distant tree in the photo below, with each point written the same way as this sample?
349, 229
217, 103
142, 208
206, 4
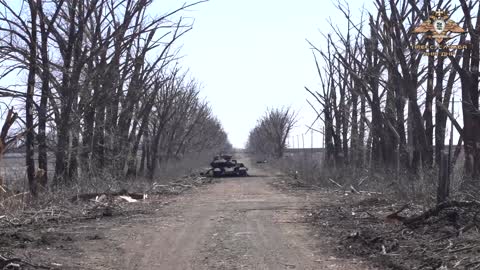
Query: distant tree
270, 134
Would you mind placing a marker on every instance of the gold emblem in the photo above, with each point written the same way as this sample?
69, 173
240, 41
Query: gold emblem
439, 26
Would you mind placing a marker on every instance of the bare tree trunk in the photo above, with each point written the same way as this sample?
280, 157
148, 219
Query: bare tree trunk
389, 139
361, 134
440, 115
42, 110
470, 96
344, 107
355, 156
67, 92
30, 136
373, 75
145, 146
471, 123
428, 113
99, 131
73, 159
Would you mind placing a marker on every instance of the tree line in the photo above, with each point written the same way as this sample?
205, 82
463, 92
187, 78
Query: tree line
380, 95
269, 136
104, 90
384, 104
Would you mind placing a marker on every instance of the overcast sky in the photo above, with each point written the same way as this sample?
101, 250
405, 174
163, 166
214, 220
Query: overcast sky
251, 55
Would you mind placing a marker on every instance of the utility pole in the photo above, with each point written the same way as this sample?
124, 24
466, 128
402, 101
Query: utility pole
323, 137
303, 142
311, 140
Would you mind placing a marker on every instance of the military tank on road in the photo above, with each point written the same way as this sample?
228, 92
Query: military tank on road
225, 165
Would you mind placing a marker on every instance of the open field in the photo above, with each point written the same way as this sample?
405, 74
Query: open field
12, 169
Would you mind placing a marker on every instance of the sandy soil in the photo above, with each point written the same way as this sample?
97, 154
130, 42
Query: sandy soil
236, 223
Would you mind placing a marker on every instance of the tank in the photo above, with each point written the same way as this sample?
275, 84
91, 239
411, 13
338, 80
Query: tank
225, 165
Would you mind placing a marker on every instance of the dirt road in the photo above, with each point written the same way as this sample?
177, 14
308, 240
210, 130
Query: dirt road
238, 223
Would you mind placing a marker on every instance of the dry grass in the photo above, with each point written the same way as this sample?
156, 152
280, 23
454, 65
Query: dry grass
15, 199
422, 189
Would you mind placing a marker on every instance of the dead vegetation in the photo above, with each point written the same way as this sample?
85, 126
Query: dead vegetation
18, 210
27, 222
395, 233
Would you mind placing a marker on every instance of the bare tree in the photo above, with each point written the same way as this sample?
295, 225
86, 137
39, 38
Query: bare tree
403, 96
270, 134
108, 85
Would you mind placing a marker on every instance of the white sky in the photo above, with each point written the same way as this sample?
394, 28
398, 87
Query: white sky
251, 55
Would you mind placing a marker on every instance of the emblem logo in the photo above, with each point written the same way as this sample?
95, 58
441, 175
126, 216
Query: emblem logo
439, 26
